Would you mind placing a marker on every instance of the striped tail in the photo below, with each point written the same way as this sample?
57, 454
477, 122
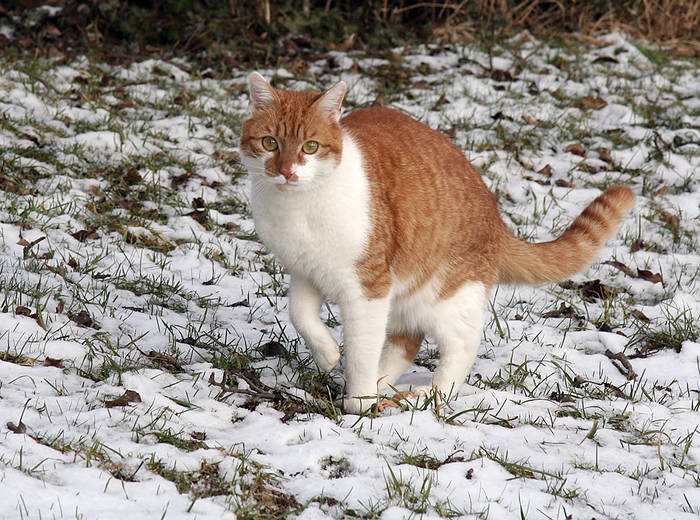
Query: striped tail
526, 263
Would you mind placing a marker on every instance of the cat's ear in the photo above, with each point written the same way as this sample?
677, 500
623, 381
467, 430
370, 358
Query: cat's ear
262, 95
331, 102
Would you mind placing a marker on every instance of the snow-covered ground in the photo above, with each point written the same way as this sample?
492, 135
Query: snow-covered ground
147, 365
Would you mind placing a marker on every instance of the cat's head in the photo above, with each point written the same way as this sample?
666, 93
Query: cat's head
291, 138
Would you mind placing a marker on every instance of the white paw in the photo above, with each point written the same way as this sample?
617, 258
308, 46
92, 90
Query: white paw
357, 405
326, 358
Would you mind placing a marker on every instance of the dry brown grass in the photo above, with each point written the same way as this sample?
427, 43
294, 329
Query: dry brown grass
674, 22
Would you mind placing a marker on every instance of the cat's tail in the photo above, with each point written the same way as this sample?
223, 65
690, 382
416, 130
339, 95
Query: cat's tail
526, 263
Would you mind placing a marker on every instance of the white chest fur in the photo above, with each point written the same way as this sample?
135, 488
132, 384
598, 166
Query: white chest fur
322, 230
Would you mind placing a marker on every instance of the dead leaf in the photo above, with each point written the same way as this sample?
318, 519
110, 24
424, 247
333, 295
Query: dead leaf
561, 397
576, 149
622, 267
501, 75
592, 103
637, 245
605, 155
53, 362
167, 362
546, 170
648, 276
661, 192
132, 177
564, 311
180, 179
578, 382
563, 183
273, 349
596, 289
73, 263
669, 219
53, 30
640, 315
85, 234
622, 363
28, 245
17, 428
82, 319
200, 213
421, 85
530, 120
128, 397
21, 310
605, 59
59, 306
199, 436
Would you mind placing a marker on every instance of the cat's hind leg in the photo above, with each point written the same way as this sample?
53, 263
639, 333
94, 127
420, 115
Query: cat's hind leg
399, 350
304, 307
456, 327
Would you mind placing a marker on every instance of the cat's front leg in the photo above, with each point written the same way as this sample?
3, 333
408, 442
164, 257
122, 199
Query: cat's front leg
364, 333
304, 306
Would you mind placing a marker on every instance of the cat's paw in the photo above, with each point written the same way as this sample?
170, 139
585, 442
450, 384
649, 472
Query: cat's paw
358, 405
326, 358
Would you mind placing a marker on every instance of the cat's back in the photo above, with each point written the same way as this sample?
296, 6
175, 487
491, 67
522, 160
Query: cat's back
391, 132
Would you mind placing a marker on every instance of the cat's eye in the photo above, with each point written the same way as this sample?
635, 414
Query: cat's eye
269, 143
309, 147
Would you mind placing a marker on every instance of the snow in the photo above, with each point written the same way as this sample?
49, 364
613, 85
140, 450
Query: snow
524, 437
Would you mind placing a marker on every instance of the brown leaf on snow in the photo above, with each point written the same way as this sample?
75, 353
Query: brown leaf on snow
592, 103
82, 319
576, 149
564, 310
648, 276
637, 245
640, 315
622, 363
53, 362
132, 177
641, 273
128, 397
669, 219
622, 267
17, 428
605, 155
21, 310
546, 170
596, 289
563, 183
167, 362
605, 59
85, 234
530, 120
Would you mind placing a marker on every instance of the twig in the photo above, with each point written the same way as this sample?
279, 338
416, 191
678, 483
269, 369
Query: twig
623, 363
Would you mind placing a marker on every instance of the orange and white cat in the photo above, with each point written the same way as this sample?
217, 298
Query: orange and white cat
387, 218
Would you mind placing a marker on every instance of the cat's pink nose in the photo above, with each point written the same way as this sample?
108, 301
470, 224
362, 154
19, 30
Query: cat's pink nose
286, 172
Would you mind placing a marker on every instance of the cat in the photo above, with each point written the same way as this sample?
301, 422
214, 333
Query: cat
387, 218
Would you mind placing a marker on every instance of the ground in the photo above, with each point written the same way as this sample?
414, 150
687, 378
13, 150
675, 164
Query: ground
147, 362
